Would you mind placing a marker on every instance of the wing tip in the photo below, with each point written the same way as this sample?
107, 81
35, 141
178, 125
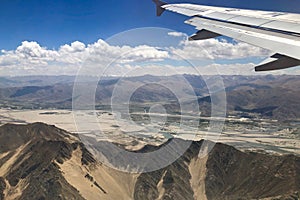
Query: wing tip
279, 62
203, 35
159, 9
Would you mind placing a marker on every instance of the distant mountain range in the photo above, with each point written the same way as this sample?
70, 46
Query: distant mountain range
270, 96
38, 161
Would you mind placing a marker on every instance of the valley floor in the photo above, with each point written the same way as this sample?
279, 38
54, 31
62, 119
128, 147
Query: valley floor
265, 136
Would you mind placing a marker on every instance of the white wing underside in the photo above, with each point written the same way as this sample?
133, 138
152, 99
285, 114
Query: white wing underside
276, 31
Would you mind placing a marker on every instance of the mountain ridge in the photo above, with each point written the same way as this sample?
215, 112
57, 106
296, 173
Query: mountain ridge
44, 162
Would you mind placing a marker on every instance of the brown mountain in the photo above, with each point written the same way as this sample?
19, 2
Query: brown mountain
38, 161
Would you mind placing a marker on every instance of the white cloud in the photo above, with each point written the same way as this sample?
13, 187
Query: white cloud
31, 50
30, 58
218, 49
228, 69
211, 69
74, 47
169, 70
177, 34
25, 58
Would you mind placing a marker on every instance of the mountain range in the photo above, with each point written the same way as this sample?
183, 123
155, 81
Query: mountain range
275, 97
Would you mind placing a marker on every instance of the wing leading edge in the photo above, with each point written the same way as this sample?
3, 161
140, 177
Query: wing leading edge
276, 31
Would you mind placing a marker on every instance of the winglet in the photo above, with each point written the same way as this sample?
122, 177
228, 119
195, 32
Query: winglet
277, 62
159, 8
203, 35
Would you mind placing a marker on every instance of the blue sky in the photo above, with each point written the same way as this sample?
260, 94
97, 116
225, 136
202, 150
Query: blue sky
57, 22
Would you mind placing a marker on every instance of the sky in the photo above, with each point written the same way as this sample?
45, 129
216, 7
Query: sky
40, 36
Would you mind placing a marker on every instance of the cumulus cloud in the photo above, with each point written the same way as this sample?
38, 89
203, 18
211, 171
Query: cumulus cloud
30, 58
74, 47
28, 53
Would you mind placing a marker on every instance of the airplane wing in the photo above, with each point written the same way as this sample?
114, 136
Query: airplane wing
276, 31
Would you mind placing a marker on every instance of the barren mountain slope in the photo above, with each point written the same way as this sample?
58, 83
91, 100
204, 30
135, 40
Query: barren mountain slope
38, 161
